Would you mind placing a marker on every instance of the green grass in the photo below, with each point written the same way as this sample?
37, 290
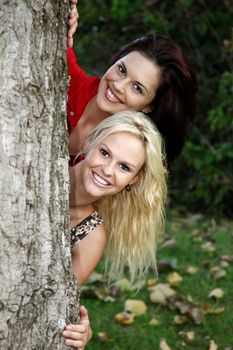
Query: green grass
190, 234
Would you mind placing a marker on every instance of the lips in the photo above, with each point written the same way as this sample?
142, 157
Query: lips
100, 180
111, 96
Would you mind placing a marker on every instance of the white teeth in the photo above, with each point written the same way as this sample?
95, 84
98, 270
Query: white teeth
100, 179
111, 96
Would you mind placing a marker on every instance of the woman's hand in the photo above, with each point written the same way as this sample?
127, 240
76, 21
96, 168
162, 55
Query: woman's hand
72, 22
78, 335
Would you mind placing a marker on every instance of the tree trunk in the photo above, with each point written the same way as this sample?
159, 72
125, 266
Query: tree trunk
38, 293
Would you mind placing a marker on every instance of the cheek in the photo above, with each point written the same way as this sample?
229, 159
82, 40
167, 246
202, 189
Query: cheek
91, 157
135, 101
111, 74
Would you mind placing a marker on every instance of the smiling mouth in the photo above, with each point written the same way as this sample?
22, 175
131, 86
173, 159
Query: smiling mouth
100, 180
111, 96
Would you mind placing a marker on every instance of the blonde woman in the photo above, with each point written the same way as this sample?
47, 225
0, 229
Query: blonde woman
117, 199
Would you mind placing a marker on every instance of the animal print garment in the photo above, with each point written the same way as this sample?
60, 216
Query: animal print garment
82, 229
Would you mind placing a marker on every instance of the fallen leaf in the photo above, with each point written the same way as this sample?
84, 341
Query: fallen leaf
195, 234
124, 318
160, 293
154, 322
216, 293
124, 284
151, 282
224, 263
213, 345
189, 309
166, 265
115, 291
112, 293
208, 247
191, 270
95, 277
211, 310
136, 307
180, 319
227, 258
192, 219
188, 335
217, 272
163, 345
174, 279
190, 298
169, 243
102, 336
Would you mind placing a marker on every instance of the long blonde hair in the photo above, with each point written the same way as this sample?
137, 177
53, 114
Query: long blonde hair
134, 220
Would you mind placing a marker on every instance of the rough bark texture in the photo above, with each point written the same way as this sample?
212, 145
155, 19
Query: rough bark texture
37, 290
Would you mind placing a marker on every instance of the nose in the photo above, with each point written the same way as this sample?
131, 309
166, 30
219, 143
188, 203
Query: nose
119, 85
108, 168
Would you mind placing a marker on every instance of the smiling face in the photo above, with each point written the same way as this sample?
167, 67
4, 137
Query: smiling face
112, 164
131, 83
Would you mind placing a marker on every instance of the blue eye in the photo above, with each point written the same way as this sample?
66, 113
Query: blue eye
104, 152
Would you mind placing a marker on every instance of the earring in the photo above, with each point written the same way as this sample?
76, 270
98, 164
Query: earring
128, 188
147, 110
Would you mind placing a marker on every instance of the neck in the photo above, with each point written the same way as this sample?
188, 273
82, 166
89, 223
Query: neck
92, 109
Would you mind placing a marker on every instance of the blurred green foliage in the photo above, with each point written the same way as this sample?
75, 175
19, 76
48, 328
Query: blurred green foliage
202, 178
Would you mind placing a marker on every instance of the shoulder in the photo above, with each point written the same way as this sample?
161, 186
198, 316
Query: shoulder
83, 229
74, 70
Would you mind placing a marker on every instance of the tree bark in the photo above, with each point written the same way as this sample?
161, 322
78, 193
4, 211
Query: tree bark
38, 293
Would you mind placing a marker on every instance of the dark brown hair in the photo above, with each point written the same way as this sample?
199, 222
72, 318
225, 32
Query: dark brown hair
174, 106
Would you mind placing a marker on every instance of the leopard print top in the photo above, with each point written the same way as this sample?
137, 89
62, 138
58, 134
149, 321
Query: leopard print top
82, 229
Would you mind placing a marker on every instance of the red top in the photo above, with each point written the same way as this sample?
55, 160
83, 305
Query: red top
81, 89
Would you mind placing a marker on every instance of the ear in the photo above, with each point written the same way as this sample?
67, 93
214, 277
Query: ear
134, 180
147, 109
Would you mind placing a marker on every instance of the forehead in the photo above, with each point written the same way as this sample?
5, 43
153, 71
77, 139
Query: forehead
126, 147
142, 69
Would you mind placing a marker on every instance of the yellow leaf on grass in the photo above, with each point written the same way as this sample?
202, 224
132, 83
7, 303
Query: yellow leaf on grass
136, 307
217, 272
216, 293
174, 279
154, 322
124, 284
151, 282
188, 335
208, 247
213, 311
191, 270
102, 336
124, 318
160, 293
180, 319
163, 345
213, 345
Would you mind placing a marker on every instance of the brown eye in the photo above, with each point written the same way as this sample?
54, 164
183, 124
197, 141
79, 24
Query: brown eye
103, 152
121, 69
137, 88
124, 167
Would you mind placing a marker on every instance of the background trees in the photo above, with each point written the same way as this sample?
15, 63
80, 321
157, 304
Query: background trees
37, 291
202, 178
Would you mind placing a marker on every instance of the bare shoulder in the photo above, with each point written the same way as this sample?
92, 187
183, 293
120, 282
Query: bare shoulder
99, 233
94, 241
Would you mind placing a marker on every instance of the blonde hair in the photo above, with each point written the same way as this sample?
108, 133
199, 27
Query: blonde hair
134, 220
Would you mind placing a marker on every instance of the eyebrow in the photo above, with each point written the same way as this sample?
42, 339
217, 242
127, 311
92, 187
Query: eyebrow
137, 82
125, 162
